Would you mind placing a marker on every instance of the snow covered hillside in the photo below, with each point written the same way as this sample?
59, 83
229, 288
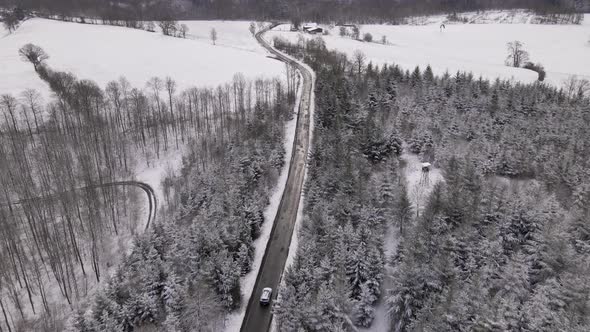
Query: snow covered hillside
104, 53
481, 17
478, 48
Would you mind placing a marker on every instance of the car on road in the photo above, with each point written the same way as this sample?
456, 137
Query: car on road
266, 296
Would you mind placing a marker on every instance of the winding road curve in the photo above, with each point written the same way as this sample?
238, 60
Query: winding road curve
149, 191
257, 317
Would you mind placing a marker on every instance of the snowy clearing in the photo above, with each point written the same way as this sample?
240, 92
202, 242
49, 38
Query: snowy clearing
477, 48
381, 321
418, 194
155, 170
104, 53
418, 191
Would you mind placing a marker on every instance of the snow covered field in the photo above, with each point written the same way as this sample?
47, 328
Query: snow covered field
104, 53
232, 34
563, 50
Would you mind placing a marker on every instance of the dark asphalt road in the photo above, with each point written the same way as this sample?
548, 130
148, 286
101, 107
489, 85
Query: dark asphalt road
258, 318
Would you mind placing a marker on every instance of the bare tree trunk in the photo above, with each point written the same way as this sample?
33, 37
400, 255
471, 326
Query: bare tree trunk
5, 316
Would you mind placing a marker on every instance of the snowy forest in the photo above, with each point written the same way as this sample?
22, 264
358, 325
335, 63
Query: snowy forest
430, 202
68, 212
324, 10
185, 272
501, 244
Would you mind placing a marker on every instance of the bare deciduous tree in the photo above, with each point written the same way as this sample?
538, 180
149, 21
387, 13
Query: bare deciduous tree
10, 22
359, 59
33, 54
296, 22
183, 30
517, 56
168, 27
356, 32
213, 35
33, 100
150, 26
9, 105
576, 87
343, 31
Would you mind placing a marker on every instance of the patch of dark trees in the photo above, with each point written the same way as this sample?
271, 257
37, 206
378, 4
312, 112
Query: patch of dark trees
325, 10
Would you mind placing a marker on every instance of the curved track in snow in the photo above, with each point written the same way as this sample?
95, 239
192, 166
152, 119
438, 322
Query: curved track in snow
149, 191
257, 317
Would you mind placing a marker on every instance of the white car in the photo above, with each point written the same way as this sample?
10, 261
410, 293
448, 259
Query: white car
266, 296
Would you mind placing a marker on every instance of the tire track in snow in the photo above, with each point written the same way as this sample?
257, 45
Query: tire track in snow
149, 191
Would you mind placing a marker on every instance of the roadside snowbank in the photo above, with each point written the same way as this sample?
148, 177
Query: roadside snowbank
295, 236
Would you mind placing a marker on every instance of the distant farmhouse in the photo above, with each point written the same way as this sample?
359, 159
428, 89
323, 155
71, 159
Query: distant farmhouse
313, 29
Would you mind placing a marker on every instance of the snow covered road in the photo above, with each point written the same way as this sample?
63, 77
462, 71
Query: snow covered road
259, 318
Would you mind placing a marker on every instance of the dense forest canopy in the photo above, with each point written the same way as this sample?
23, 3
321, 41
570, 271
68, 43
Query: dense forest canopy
321, 10
500, 245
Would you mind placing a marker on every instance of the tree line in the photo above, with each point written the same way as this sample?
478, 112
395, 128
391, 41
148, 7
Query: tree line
55, 234
502, 244
331, 10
